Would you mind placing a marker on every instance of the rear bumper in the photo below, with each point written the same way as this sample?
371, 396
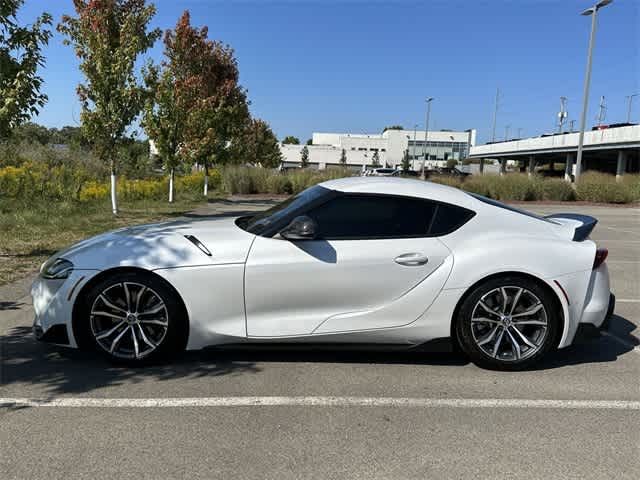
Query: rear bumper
588, 331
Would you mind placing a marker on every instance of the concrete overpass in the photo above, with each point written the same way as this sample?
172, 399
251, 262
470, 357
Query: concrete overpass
615, 150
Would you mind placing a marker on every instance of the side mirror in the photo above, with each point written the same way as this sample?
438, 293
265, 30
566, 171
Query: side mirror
300, 228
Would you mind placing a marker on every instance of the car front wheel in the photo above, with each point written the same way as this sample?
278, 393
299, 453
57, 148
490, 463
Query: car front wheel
133, 318
508, 323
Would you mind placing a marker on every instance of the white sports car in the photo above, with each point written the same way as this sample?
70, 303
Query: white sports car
381, 262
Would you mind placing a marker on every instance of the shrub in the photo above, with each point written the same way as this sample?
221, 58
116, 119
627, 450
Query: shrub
602, 187
558, 190
517, 187
446, 180
247, 180
481, 185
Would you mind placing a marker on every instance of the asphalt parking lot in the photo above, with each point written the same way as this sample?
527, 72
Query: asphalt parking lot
292, 415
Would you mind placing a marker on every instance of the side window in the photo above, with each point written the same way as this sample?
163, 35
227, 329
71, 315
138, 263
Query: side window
449, 218
373, 216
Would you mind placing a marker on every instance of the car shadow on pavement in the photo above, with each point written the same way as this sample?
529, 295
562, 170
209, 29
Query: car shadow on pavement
59, 370
596, 349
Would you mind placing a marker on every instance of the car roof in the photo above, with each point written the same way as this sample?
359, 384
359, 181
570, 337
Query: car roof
402, 186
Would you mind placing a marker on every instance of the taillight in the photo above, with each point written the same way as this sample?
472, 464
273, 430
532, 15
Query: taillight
601, 256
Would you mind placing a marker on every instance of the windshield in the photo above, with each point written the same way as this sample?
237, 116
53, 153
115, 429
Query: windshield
260, 222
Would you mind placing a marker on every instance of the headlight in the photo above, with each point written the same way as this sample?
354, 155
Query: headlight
58, 268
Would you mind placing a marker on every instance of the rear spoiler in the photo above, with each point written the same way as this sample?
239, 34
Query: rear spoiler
584, 224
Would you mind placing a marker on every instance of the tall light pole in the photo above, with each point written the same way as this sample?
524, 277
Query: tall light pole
495, 116
593, 11
415, 128
426, 134
630, 97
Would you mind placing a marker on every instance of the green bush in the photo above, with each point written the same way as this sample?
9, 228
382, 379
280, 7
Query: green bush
602, 187
446, 180
481, 185
558, 190
248, 180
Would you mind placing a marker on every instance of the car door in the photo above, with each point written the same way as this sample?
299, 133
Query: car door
370, 251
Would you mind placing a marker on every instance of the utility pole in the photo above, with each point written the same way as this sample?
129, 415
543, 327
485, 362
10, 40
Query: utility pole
630, 98
571, 124
506, 132
593, 11
520, 132
495, 116
426, 134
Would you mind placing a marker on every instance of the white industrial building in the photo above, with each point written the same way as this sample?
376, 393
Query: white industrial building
391, 145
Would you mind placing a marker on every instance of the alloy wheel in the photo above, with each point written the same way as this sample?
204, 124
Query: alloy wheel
509, 323
129, 320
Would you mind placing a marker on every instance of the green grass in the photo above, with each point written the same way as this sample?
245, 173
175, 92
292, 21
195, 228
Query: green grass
30, 233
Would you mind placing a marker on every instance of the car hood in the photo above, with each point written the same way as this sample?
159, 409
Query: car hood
163, 245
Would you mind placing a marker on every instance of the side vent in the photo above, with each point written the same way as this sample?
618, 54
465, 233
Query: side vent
198, 244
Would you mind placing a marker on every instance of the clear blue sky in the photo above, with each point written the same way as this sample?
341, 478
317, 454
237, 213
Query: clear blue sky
357, 66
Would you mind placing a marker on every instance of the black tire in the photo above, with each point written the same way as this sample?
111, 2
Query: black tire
508, 357
174, 318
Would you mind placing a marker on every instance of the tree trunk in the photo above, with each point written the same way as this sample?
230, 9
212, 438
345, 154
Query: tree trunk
171, 175
114, 193
206, 179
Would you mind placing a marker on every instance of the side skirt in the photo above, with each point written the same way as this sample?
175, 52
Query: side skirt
436, 345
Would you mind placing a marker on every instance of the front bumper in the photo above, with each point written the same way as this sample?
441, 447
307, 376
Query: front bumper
53, 302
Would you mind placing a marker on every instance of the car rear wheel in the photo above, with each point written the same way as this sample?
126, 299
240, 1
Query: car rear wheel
133, 318
508, 323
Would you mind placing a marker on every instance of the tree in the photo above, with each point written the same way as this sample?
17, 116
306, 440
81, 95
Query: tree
375, 160
406, 163
261, 145
304, 157
218, 112
452, 162
30, 132
108, 36
170, 100
393, 127
291, 140
20, 57
343, 157
309, 142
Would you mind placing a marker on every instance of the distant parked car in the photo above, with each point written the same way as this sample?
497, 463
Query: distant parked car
382, 172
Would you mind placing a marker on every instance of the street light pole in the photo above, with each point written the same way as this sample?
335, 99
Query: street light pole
630, 97
426, 134
593, 11
415, 127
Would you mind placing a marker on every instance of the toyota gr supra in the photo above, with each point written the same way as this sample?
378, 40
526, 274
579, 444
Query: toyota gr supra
369, 261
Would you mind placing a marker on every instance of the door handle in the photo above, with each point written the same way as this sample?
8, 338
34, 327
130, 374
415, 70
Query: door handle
412, 259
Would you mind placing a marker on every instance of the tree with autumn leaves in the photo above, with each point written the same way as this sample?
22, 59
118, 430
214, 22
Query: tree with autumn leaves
192, 105
197, 111
108, 37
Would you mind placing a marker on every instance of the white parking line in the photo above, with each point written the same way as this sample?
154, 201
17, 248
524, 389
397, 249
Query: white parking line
627, 300
320, 402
